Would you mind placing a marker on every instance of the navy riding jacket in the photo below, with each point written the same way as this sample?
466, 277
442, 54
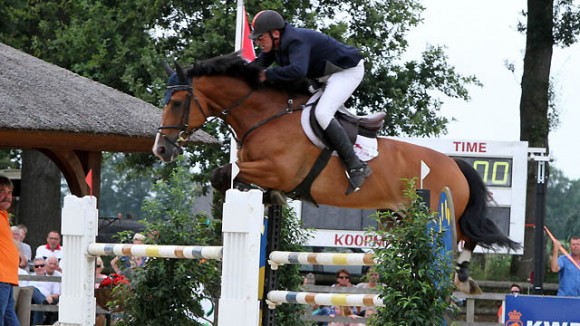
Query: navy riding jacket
307, 53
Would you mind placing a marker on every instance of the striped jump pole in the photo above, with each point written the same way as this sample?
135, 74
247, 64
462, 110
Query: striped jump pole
161, 251
278, 258
333, 299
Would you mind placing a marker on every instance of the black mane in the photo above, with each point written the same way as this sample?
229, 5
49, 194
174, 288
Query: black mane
233, 65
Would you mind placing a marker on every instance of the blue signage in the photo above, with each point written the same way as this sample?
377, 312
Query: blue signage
532, 310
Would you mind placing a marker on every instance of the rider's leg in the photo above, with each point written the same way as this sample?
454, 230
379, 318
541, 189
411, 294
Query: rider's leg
337, 90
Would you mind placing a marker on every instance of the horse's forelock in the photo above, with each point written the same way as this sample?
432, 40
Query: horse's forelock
232, 65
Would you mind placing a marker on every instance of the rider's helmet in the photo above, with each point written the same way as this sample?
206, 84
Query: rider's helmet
265, 21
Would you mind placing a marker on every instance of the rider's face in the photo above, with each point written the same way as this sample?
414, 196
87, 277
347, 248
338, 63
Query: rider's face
265, 41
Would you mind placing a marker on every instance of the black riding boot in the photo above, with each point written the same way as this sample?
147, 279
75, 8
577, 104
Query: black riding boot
356, 170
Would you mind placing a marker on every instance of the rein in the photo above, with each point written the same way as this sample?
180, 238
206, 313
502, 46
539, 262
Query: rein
183, 127
287, 110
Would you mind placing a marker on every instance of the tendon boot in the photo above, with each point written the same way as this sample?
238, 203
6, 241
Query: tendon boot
356, 170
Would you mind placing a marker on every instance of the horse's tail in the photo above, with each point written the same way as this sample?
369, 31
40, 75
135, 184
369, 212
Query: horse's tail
475, 223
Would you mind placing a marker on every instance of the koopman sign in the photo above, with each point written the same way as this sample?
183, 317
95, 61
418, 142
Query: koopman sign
531, 310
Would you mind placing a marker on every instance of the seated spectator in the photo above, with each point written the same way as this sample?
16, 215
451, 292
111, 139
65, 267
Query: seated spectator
124, 265
51, 248
515, 289
17, 237
372, 280
342, 279
25, 246
22, 271
44, 292
346, 312
99, 276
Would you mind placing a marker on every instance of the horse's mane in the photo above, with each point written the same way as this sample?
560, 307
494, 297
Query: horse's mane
233, 65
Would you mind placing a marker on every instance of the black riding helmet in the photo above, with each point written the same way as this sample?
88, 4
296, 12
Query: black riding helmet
266, 21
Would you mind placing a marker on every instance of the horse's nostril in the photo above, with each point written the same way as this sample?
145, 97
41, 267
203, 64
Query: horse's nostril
160, 150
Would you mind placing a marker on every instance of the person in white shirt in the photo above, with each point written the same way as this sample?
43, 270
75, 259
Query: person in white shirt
51, 248
44, 292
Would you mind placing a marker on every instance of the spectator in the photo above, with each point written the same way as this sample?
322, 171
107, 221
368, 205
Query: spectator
515, 289
99, 276
8, 257
342, 279
44, 292
25, 246
51, 248
124, 265
372, 278
17, 237
567, 271
346, 312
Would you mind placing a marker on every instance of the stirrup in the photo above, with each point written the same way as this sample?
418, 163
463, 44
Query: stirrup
356, 178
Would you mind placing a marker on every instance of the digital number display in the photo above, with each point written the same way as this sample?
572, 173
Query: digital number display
495, 172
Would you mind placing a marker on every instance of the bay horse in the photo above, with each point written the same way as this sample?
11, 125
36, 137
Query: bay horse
274, 152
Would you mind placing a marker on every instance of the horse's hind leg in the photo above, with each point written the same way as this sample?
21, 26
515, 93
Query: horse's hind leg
462, 280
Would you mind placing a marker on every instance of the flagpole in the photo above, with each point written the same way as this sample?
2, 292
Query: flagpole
238, 47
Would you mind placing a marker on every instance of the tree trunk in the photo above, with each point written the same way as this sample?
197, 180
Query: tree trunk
534, 112
40, 202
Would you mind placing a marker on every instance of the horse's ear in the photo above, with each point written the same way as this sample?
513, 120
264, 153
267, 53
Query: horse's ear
179, 72
167, 69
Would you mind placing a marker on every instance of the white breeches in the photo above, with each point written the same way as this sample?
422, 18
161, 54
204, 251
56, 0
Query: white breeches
338, 88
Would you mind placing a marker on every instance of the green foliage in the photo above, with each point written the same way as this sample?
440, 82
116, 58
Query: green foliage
169, 291
562, 213
417, 282
292, 238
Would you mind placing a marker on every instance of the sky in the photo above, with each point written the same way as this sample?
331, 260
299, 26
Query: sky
480, 37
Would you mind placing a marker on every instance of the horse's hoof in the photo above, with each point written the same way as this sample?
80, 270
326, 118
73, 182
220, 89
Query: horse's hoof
462, 271
469, 287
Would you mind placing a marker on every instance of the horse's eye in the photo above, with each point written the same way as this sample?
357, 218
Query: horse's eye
176, 104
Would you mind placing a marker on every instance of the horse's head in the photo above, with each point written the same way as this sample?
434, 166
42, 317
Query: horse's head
177, 122
185, 110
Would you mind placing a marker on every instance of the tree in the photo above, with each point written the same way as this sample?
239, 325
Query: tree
563, 205
547, 25
39, 197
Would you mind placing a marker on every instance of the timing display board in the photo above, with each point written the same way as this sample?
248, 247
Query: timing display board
503, 167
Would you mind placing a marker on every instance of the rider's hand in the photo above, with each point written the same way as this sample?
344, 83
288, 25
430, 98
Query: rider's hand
262, 76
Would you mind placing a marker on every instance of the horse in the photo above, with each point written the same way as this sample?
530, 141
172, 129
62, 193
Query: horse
275, 153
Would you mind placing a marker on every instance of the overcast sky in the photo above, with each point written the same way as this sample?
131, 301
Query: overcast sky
480, 37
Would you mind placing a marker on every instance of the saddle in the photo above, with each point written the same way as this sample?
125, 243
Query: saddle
362, 132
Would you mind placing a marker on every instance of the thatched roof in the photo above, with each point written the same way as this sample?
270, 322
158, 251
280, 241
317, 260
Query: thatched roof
45, 106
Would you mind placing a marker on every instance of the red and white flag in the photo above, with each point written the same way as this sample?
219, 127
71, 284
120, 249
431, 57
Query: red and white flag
243, 43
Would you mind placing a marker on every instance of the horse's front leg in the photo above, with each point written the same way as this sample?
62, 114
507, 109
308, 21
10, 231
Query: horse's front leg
221, 181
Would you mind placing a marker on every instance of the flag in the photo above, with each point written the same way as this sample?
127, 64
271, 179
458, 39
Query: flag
89, 181
248, 51
243, 43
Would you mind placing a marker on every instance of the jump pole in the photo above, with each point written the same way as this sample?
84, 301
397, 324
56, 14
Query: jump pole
243, 214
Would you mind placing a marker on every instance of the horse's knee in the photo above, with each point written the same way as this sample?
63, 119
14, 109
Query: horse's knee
221, 178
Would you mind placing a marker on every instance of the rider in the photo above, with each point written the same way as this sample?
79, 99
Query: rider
301, 53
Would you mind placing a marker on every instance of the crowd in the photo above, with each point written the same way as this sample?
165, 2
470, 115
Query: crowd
343, 279
17, 258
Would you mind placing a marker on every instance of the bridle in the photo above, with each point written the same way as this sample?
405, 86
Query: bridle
184, 132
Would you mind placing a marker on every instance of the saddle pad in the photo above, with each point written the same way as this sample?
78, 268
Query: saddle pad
365, 148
